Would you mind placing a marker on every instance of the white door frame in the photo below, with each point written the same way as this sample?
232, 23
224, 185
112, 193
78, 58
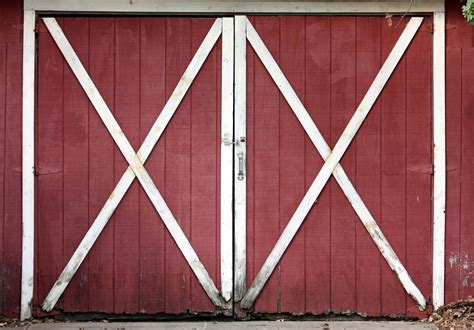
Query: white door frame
32, 8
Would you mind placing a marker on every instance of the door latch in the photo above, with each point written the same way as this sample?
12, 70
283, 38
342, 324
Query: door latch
240, 174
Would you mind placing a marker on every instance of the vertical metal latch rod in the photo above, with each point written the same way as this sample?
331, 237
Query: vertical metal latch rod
240, 175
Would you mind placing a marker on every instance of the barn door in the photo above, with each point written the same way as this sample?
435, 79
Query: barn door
116, 233
287, 68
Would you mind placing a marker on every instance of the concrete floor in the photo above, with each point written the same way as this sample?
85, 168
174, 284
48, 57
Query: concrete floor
235, 325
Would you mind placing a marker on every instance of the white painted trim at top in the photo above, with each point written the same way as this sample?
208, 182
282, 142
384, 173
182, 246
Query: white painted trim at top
243, 7
439, 158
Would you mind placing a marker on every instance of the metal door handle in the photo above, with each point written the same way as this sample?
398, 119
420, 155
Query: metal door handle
240, 175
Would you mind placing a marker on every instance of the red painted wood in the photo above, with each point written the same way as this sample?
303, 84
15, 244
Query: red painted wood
76, 160
267, 174
136, 64
467, 174
393, 181
101, 165
250, 162
292, 163
11, 22
368, 166
127, 113
151, 258
343, 75
418, 152
152, 100
317, 223
50, 149
453, 148
204, 166
3, 98
178, 165
12, 197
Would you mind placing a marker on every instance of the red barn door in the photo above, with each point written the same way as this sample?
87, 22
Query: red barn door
105, 86
310, 82
330, 177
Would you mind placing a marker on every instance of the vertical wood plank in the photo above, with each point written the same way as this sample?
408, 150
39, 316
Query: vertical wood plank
318, 91
240, 177
28, 154
3, 128
439, 157
418, 153
204, 165
101, 165
13, 182
126, 111
453, 175
76, 165
393, 159
152, 100
50, 157
267, 164
343, 295
250, 162
292, 156
467, 174
227, 107
178, 165
368, 63
12, 17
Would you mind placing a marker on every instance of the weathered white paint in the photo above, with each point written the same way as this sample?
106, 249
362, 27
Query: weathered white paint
439, 139
243, 7
240, 182
136, 164
331, 164
28, 155
226, 156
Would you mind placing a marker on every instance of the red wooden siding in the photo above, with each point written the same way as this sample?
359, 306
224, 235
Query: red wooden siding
135, 267
332, 265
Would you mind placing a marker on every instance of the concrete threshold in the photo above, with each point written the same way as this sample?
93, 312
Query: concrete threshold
234, 325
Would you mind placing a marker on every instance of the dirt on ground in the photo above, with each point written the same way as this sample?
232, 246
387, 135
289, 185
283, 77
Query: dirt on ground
459, 314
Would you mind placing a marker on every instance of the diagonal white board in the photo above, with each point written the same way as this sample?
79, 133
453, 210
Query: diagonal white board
331, 164
136, 161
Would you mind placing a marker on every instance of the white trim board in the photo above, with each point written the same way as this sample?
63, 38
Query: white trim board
439, 158
243, 7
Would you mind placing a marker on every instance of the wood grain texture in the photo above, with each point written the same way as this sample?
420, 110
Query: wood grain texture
127, 113
453, 176
50, 150
178, 165
3, 94
12, 198
204, 164
267, 172
467, 168
419, 115
393, 212
152, 100
292, 163
368, 170
76, 160
317, 226
343, 218
101, 178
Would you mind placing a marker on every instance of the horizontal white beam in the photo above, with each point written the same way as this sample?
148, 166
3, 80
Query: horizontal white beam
244, 7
